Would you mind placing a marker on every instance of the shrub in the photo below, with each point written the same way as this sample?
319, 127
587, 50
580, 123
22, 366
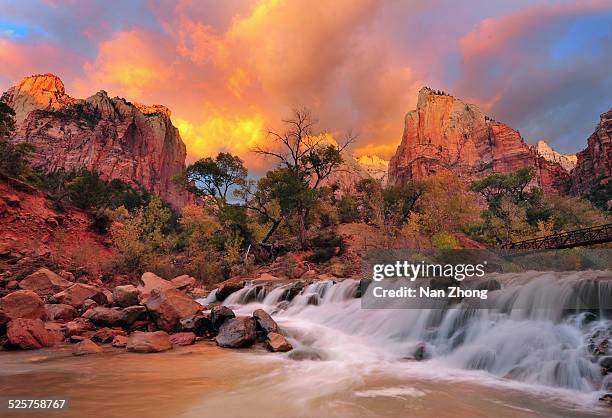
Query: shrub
444, 241
325, 247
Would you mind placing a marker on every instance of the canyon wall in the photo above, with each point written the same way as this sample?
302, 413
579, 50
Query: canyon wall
445, 134
594, 165
135, 143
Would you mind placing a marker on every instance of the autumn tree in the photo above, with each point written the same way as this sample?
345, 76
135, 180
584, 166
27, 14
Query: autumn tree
305, 159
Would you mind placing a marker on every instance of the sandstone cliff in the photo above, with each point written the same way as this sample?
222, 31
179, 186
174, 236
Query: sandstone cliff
567, 161
128, 141
594, 166
445, 134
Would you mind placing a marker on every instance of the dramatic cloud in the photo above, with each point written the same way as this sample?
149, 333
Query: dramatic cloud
230, 70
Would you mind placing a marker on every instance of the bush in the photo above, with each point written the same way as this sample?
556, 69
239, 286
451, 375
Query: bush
444, 241
347, 209
325, 247
13, 162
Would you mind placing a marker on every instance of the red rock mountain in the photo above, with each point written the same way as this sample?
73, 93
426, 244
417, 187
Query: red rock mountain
594, 166
445, 134
128, 141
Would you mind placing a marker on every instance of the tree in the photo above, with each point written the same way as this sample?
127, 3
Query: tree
215, 178
13, 157
496, 186
7, 121
142, 236
305, 159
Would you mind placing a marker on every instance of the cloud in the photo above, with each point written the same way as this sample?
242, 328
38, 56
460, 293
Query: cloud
136, 63
230, 70
533, 70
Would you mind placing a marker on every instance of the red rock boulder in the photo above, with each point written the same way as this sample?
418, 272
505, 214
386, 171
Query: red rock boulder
265, 321
168, 306
148, 342
60, 312
277, 343
28, 334
44, 282
78, 293
105, 317
149, 281
183, 338
86, 347
23, 304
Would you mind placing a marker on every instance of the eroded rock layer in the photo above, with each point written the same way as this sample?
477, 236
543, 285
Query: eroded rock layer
128, 141
445, 134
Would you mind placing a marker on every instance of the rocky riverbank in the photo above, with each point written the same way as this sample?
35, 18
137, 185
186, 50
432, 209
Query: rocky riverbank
45, 309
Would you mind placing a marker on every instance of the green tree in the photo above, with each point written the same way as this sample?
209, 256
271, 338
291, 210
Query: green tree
305, 159
7, 120
215, 178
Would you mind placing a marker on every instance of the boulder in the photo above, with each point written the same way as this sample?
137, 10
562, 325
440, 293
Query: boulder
56, 332
88, 304
60, 312
277, 343
168, 306
119, 341
237, 332
86, 347
149, 281
28, 334
44, 282
265, 321
198, 324
148, 342
337, 269
76, 327
12, 285
218, 315
134, 313
125, 296
78, 293
106, 317
295, 289
183, 338
184, 282
606, 365
227, 288
23, 304
106, 335
607, 398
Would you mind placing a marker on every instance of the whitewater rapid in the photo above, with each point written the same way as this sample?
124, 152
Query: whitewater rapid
528, 341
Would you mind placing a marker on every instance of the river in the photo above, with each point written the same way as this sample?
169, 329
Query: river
347, 362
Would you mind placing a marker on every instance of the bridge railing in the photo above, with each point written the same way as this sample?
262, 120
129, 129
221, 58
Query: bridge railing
579, 237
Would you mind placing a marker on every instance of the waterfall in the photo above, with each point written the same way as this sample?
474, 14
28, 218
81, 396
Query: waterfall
531, 332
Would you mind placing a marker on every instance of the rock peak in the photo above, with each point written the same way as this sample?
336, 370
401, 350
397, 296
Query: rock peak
567, 161
47, 82
135, 143
38, 91
445, 134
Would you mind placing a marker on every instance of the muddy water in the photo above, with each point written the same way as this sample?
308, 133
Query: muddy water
205, 381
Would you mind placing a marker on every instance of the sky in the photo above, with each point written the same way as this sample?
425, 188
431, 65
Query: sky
230, 70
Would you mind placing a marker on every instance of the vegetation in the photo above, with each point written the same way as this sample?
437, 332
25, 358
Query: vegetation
240, 221
515, 211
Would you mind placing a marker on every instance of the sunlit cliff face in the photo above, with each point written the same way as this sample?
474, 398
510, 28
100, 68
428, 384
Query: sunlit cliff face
231, 70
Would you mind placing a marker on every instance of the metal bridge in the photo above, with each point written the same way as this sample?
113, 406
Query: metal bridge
577, 238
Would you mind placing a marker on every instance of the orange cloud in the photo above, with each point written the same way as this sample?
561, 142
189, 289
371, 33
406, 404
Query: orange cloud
131, 64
